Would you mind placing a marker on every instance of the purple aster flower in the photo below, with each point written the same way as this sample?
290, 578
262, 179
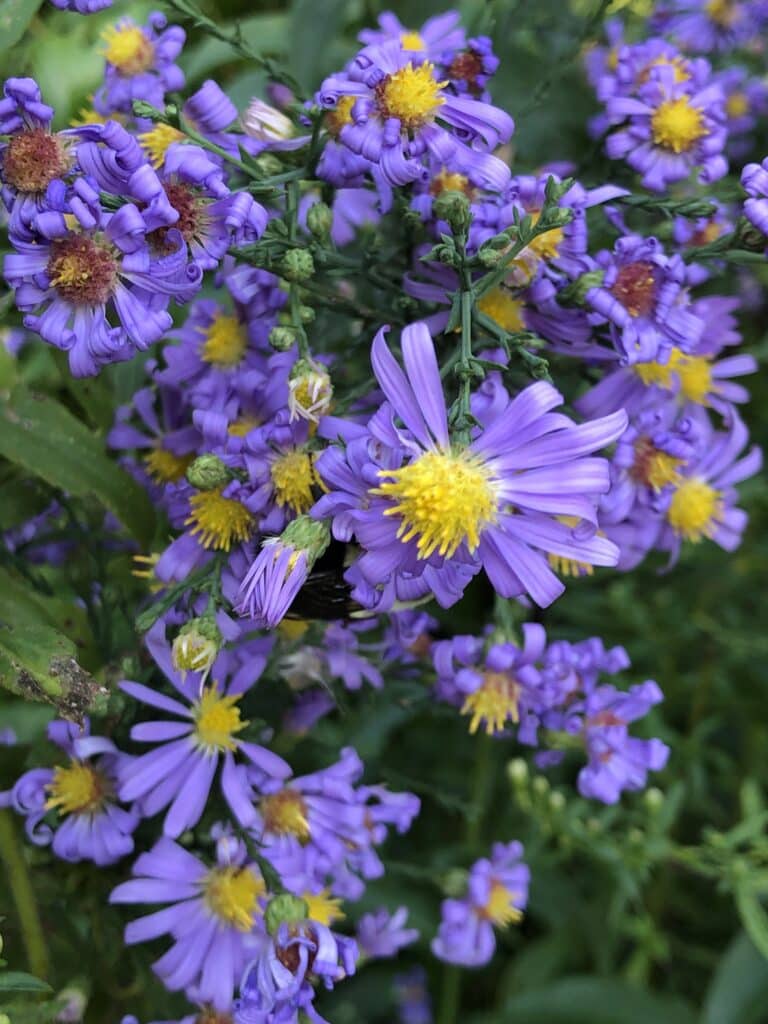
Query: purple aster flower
497, 893
89, 823
754, 180
669, 130
86, 268
527, 458
82, 6
642, 298
707, 25
616, 760
322, 826
278, 985
695, 377
397, 108
746, 99
180, 770
412, 995
139, 64
213, 917
381, 934
436, 36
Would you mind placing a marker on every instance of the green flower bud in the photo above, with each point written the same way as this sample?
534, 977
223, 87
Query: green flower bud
540, 785
286, 909
454, 208
306, 314
307, 534
654, 798
208, 472
556, 802
319, 221
282, 338
517, 771
455, 882
269, 164
197, 645
575, 294
297, 265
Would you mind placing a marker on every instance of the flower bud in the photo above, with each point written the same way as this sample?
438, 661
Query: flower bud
576, 292
284, 908
282, 338
265, 123
320, 220
517, 771
309, 390
654, 798
455, 882
196, 646
454, 208
208, 472
71, 1002
297, 265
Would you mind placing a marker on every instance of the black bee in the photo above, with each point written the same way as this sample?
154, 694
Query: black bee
326, 595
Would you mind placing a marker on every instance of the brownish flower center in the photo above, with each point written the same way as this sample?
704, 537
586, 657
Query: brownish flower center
635, 288
190, 210
467, 66
33, 160
82, 270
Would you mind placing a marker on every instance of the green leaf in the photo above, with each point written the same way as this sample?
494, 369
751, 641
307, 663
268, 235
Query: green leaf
265, 32
590, 1000
38, 663
20, 981
753, 916
15, 15
738, 993
45, 438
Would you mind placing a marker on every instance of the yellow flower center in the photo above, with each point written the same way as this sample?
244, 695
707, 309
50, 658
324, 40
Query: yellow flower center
341, 115
292, 477
225, 342
87, 115
219, 522
695, 509
679, 65
128, 49
323, 908
500, 908
412, 41
547, 245
412, 95
232, 895
166, 467
285, 814
569, 566
652, 467
450, 181
677, 125
737, 104
156, 142
694, 374
243, 426
217, 720
443, 498
503, 308
722, 12
76, 789
494, 702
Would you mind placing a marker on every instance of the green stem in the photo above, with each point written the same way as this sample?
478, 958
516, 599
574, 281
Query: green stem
450, 994
480, 781
20, 885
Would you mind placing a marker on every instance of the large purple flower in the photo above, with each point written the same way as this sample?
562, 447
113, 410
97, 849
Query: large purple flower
397, 111
497, 892
180, 770
493, 503
89, 823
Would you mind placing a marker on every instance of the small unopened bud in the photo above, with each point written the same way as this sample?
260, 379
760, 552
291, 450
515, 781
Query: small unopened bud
309, 390
556, 802
540, 785
453, 207
576, 292
517, 771
320, 220
282, 338
71, 1003
284, 909
306, 314
196, 646
208, 472
307, 534
490, 258
455, 882
265, 123
4, 1018
654, 799
297, 265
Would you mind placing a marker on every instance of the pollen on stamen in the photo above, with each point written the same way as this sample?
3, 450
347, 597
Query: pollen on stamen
411, 94
494, 702
219, 522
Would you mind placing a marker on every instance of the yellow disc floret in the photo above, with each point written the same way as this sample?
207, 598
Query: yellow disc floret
322, 907
341, 114
217, 720
503, 308
546, 245
128, 49
412, 95
494, 702
285, 814
500, 908
443, 498
677, 125
232, 895
157, 141
412, 41
292, 477
219, 522
76, 789
225, 342
693, 373
166, 467
695, 509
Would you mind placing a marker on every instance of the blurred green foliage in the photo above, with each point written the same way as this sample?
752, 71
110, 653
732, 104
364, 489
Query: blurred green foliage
649, 912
